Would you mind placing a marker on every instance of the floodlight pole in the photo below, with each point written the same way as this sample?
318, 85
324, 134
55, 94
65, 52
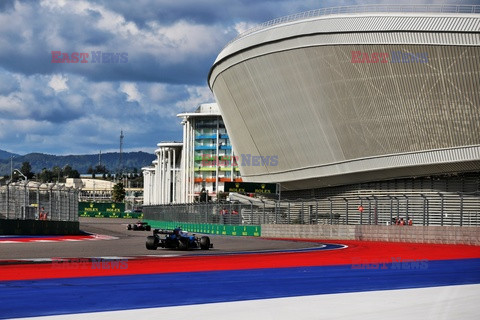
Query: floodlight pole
19, 172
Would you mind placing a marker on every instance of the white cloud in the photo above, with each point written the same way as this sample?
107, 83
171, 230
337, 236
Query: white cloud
130, 89
58, 83
181, 38
241, 27
196, 96
13, 106
158, 92
53, 4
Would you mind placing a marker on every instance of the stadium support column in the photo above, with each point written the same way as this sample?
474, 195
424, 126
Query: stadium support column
182, 166
185, 163
152, 184
174, 177
164, 163
160, 178
217, 156
184, 173
165, 176
190, 163
146, 189
232, 169
148, 179
156, 181
168, 181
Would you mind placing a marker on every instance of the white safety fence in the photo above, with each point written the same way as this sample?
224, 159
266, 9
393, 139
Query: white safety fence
35, 201
426, 209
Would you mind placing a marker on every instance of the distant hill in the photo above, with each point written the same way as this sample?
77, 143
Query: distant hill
81, 163
6, 155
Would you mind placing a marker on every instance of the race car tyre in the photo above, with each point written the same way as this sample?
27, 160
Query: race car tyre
129, 227
135, 227
152, 243
148, 228
204, 243
183, 243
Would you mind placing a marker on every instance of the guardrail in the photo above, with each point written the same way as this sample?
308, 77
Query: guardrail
428, 8
35, 201
425, 209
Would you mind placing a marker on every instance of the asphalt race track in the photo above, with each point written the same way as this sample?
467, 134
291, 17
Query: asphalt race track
129, 243
115, 277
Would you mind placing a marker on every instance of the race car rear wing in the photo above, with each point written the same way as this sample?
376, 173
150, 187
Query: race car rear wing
163, 231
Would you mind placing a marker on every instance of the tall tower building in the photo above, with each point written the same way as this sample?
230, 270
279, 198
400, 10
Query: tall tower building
202, 163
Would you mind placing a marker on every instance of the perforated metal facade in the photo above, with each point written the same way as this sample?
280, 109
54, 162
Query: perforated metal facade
299, 91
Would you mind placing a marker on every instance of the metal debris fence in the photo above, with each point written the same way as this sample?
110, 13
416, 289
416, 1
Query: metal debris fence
369, 8
426, 209
25, 201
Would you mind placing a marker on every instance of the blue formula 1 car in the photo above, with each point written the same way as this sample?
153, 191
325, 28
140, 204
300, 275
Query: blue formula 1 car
177, 239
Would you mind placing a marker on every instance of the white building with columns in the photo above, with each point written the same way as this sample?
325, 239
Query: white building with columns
203, 161
162, 181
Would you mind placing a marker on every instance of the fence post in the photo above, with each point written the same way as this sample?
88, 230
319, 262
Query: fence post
8, 200
369, 211
424, 207
59, 201
251, 211
361, 211
69, 204
461, 208
25, 202
331, 211
288, 213
406, 213
75, 204
441, 208
264, 213
428, 211
50, 191
38, 202
205, 215
276, 216
310, 215
391, 209
301, 214
346, 210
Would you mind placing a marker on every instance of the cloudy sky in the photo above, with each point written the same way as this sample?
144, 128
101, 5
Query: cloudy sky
168, 48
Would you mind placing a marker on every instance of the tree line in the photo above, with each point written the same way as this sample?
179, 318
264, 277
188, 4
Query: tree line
60, 175
56, 174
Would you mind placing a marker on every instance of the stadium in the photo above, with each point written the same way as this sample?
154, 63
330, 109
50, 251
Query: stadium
356, 99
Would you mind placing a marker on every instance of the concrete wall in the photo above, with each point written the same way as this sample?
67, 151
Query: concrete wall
37, 227
433, 234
